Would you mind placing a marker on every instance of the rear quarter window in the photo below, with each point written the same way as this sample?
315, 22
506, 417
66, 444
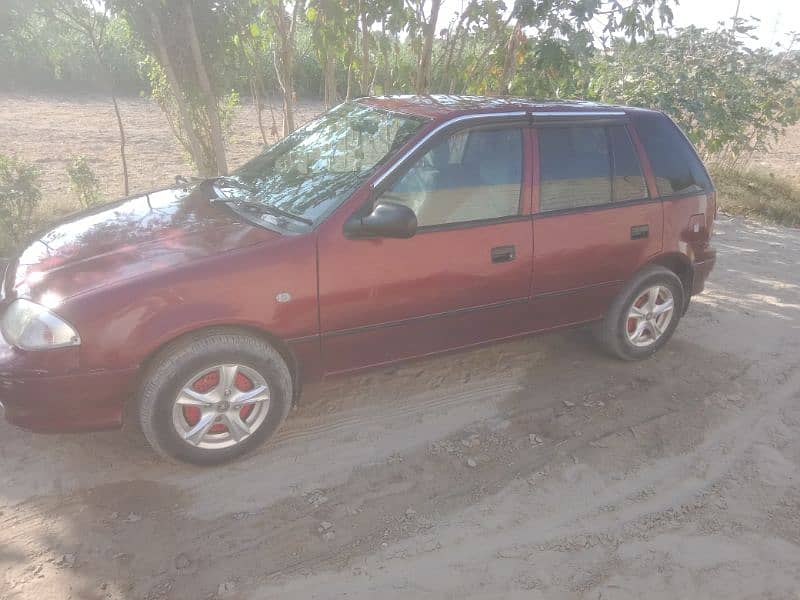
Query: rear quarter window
676, 166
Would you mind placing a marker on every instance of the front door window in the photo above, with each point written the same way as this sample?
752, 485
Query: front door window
473, 175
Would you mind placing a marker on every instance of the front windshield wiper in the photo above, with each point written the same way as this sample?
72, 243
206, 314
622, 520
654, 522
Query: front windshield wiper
184, 181
181, 180
261, 207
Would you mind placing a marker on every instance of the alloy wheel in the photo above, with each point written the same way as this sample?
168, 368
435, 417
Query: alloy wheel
649, 316
221, 406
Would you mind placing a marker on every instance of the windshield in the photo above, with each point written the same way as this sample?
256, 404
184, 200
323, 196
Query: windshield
313, 170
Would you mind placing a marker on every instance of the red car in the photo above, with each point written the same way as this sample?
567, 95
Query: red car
386, 229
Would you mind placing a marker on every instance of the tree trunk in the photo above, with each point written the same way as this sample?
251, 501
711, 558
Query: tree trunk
510, 63
256, 94
209, 99
329, 87
286, 85
374, 77
122, 142
387, 69
283, 58
365, 70
258, 89
273, 130
387, 75
424, 71
481, 62
454, 48
193, 143
112, 91
460, 54
288, 97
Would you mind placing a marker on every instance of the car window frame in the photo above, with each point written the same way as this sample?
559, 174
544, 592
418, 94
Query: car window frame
637, 157
376, 172
588, 120
633, 128
493, 121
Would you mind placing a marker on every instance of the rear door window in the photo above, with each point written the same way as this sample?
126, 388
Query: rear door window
676, 167
628, 183
575, 167
587, 165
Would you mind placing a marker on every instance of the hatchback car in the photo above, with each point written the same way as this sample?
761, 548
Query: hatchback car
386, 229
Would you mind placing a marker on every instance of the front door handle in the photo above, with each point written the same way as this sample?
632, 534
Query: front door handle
639, 232
503, 254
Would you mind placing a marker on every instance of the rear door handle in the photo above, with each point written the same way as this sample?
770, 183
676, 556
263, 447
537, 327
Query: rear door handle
503, 254
639, 232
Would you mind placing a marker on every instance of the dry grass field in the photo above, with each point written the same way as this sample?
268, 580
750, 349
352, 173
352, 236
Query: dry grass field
784, 157
49, 131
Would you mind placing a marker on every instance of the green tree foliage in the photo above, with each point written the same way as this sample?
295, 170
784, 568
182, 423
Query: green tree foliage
730, 100
332, 26
190, 41
83, 181
555, 36
19, 197
43, 54
189, 54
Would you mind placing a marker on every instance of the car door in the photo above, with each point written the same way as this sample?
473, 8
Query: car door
595, 222
463, 278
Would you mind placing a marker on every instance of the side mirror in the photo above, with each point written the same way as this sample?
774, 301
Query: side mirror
387, 219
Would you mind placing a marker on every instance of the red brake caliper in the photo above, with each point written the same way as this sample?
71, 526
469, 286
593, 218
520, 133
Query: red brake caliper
632, 322
208, 382
204, 384
243, 384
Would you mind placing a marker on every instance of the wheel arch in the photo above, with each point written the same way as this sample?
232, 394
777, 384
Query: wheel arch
275, 341
682, 267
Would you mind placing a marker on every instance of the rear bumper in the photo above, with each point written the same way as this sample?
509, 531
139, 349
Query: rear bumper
46, 400
702, 269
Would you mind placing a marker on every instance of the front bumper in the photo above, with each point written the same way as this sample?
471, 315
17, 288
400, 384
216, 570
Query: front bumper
44, 392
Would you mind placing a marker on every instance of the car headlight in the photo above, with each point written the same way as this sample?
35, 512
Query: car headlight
31, 326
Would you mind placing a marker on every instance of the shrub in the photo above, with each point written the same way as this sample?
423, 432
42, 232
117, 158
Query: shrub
163, 94
19, 197
83, 181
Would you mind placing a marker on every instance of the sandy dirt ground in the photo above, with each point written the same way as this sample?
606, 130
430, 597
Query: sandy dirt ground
538, 468
532, 469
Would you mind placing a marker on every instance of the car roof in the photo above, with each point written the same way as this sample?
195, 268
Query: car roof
445, 107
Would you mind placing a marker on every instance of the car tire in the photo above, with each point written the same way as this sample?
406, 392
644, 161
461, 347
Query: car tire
210, 424
634, 328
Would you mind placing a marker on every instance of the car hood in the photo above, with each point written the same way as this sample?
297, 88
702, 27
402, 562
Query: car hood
125, 239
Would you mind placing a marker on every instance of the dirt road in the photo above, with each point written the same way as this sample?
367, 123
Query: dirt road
532, 469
